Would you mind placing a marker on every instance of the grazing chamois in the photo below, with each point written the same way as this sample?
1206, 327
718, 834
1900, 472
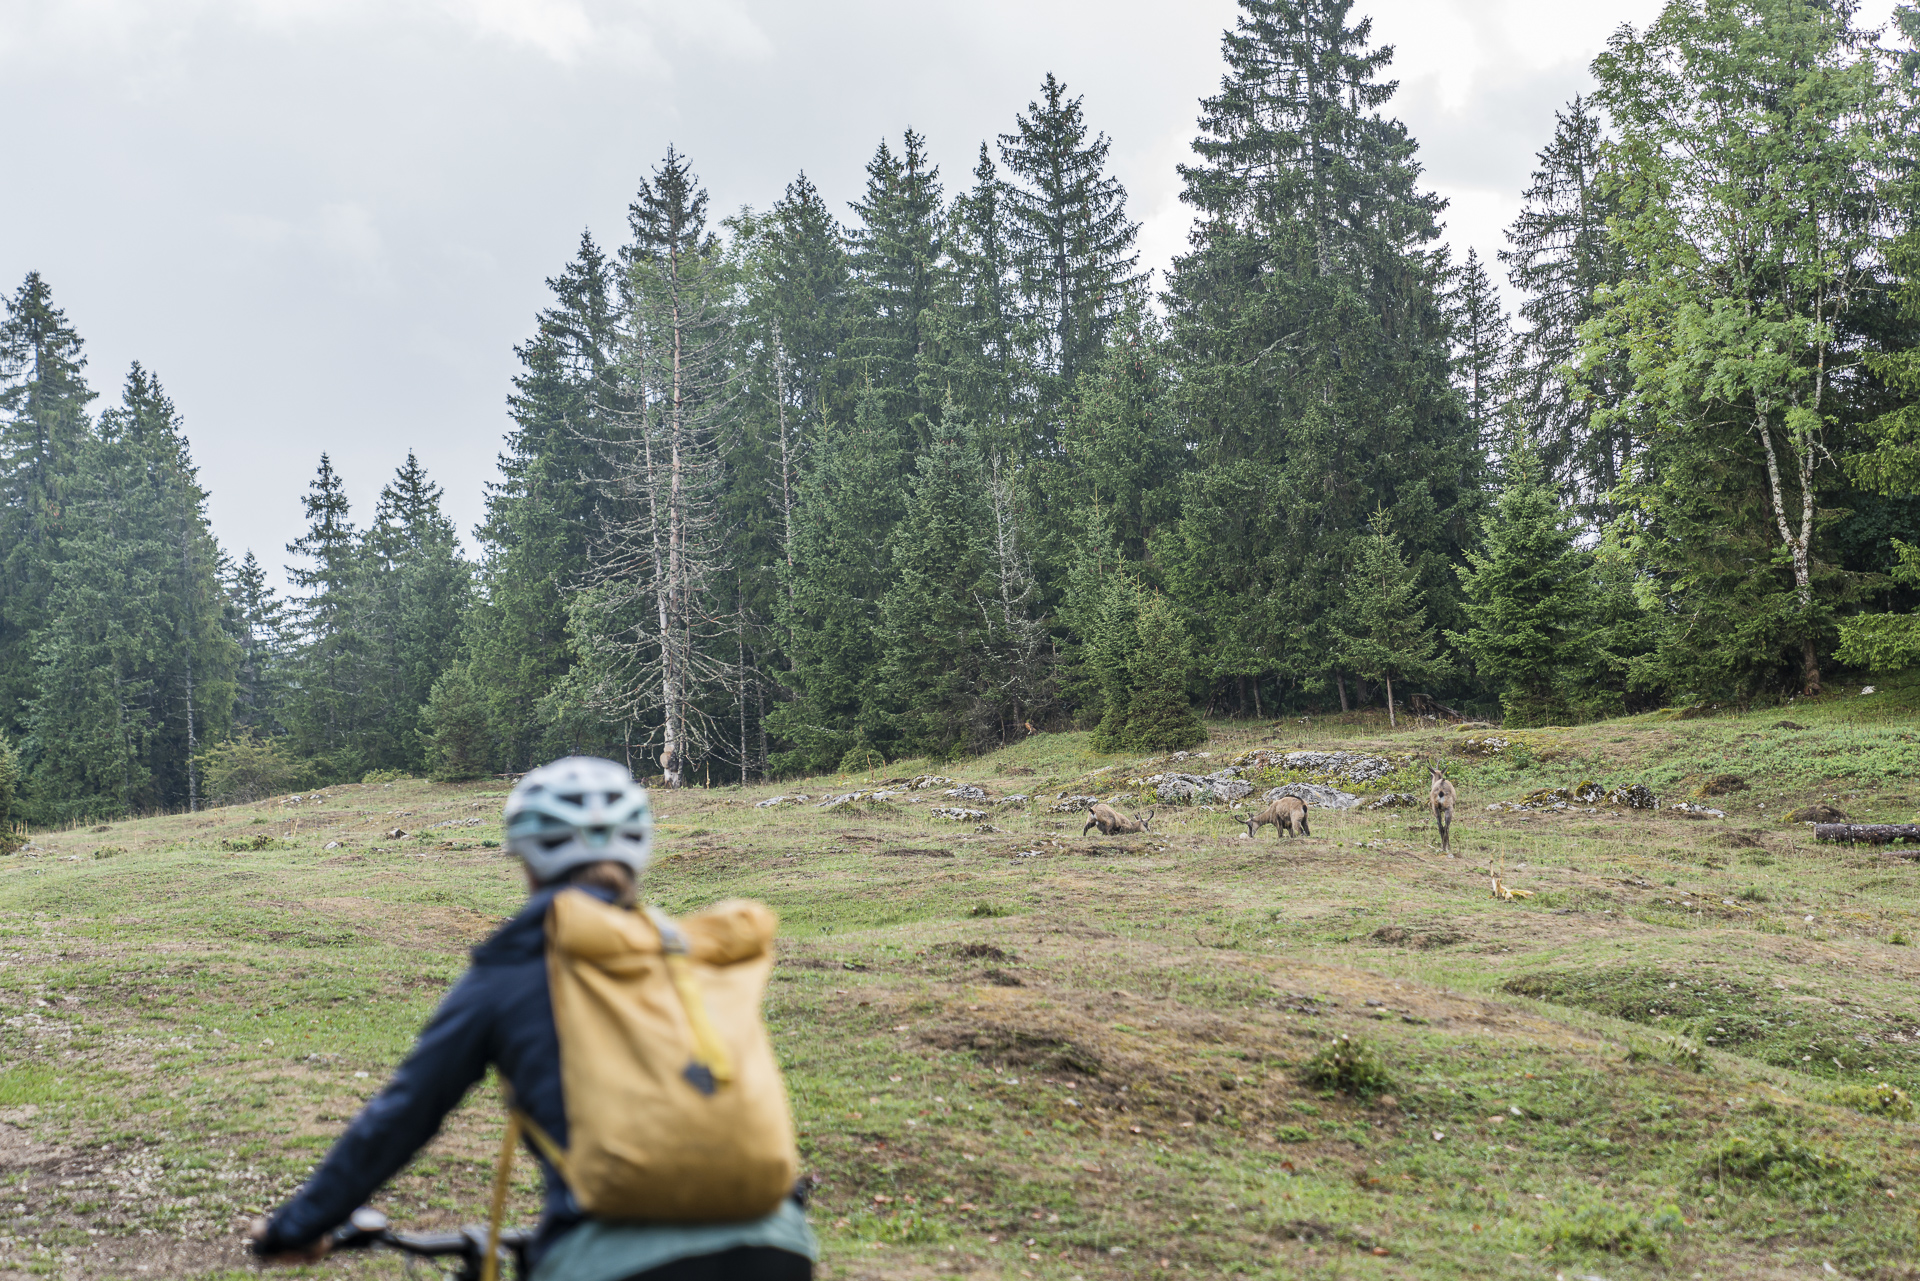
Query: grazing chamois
1286, 813
1108, 820
1440, 801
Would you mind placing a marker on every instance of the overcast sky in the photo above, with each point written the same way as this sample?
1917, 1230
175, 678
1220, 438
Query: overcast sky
325, 223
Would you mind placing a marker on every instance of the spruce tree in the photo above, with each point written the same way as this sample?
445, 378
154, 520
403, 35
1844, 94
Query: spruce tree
567, 400
417, 590
901, 276
984, 341
43, 427
1311, 367
259, 627
11, 837
1524, 589
1381, 629
1072, 246
937, 669
791, 336
1109, 632
1560, 258
1160, 717
849, 503
135, 666
329, 710
456, 727
1483, 349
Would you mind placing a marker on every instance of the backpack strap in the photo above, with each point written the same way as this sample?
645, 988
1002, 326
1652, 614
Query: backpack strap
490, 1265
710, 1068
519, 1124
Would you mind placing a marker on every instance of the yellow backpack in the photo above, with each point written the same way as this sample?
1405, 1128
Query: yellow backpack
676, 1111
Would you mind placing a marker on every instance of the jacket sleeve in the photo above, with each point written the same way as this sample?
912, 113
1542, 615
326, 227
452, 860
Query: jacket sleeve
452, 1054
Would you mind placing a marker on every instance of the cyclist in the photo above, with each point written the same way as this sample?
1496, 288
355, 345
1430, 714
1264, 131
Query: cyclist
579, 823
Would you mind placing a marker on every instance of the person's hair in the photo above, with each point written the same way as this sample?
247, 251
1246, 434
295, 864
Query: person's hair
615, 878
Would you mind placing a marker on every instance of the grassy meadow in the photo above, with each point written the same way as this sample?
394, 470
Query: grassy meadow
1019, 1052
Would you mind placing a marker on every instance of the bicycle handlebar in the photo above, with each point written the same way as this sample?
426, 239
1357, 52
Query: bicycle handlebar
369, 1227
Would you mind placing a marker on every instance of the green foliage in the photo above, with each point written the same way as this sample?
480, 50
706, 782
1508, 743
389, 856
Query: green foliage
1885, 642
416, 591
1562, 259
1777, 1162
1734, 119
1884, 1099
1523, 594
1349, 1065
1071, 247
329, 711
1311, 368
458, 731
135, 665
1614, 1229
1381, 630
9, 789
541, 512
249, 768
1160, 718
43, 429
849, 505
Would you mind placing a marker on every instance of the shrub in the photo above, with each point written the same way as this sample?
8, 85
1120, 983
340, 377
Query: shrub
1883, 1099
1614, 1230
1777, 1162
1349, 1066
245, 769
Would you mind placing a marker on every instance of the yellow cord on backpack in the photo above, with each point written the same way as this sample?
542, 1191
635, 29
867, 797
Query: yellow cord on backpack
708, 1050
490, 1266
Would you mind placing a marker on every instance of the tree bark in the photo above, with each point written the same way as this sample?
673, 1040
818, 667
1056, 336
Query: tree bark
1391, 722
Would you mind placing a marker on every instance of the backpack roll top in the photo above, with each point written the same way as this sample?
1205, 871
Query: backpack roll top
676, 1110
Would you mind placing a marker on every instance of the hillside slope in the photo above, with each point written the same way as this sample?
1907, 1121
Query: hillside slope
1015, 1050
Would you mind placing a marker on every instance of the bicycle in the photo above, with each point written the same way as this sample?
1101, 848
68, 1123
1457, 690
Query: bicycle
466, 1247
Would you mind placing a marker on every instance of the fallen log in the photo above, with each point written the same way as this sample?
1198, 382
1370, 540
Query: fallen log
1867, 833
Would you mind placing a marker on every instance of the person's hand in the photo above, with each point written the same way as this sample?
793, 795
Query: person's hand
289, 1258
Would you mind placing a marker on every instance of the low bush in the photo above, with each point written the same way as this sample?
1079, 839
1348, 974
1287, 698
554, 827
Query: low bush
1777, 1162
1350, 1066
1614, 1230
247, 768
1883, 1099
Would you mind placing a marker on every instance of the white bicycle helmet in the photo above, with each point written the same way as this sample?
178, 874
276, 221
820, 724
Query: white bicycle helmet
579, 810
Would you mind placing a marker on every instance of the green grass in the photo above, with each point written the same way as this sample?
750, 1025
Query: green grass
1101, 1052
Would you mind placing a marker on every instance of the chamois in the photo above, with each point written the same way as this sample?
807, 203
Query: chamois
1440, 801
1286, 813
1108, 820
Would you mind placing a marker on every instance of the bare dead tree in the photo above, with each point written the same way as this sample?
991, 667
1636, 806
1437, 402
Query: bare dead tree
1012, 631
654, 633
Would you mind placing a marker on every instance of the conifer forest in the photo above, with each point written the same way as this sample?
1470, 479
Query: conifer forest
803, 487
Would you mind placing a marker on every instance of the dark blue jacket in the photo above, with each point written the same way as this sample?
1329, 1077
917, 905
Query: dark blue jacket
500, 1013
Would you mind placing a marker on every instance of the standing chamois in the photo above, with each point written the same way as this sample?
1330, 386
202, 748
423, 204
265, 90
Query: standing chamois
1286, 813
1108, 820
1440, 801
